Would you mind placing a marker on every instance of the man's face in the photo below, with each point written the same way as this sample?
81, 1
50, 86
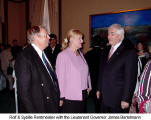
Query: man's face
53, 42
43, 39
113, 37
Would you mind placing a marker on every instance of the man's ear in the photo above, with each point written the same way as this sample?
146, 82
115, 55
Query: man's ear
120, 37
36, 36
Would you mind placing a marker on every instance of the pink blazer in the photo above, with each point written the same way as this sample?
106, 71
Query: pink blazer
73, 75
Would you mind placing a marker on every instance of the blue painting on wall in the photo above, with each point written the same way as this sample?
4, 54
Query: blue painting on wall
137, 24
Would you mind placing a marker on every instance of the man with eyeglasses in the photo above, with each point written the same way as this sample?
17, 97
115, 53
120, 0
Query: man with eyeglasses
53, 49
37, 86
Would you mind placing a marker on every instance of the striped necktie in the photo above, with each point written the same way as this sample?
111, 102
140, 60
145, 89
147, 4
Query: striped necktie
51, 72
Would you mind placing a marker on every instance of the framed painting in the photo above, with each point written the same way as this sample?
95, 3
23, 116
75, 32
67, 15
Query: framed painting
137, 24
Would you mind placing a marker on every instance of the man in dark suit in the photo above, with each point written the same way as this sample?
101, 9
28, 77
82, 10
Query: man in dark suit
93, 59
117, 74
53, 49
37, 86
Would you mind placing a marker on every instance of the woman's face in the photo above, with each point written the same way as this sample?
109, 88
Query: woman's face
76, 41
139, 46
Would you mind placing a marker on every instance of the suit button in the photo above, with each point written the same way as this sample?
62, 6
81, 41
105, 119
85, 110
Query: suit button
42, 84
48, 98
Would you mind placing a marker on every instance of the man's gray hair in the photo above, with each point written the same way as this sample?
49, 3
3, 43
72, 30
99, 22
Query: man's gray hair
32, 32
120, 29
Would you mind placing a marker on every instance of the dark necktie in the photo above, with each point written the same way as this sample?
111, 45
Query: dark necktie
51, 72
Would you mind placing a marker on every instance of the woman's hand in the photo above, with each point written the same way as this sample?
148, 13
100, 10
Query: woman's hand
98, 94
61, 103
88, 91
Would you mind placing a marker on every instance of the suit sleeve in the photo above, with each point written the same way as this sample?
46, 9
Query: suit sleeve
101, 64
99, 78
24, 79
130, 76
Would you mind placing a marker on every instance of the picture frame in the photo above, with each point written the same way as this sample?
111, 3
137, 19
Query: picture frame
137, 25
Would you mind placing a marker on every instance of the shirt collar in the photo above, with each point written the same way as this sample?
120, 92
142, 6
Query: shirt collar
39, 51
116, 46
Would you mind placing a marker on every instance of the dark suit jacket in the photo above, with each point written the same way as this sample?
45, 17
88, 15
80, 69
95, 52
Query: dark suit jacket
52, 56
117, 77
36, 93
92, 58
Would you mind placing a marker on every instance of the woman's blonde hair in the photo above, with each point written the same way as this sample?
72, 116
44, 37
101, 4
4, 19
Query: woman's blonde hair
70, 34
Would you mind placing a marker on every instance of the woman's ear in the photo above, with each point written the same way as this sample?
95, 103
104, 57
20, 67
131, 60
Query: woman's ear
71, 39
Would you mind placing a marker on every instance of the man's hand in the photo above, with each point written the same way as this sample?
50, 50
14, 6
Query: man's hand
124, 105
98, 94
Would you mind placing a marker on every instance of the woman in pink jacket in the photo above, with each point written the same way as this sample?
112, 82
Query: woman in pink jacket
73, 74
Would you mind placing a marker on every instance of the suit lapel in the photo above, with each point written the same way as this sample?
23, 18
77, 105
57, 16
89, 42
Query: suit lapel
41, 68
38, 60
116, 53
